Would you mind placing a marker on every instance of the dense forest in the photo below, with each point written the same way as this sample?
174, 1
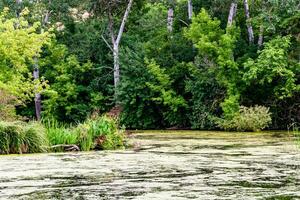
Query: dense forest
217, 64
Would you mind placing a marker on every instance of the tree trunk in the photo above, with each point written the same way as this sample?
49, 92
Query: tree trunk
232, 14
170, 19
249, 26
116, 41
37, 95
116, 65
261, 36
190, 9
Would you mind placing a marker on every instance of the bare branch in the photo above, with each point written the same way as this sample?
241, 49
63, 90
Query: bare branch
107, 43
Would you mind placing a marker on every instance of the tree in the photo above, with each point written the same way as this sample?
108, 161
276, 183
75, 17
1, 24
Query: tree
24, 43
273, 67
110, 7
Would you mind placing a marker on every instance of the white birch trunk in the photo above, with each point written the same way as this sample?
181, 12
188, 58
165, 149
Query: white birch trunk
190, 9
116, 42
232, 13
249, 26
116, 65
261, 36
170, 19
37, 95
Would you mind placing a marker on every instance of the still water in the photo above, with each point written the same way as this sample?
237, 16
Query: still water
163, 165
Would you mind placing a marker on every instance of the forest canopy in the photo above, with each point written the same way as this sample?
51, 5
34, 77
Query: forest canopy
196, 64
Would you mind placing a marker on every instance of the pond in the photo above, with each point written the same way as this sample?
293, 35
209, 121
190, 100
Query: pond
163, 165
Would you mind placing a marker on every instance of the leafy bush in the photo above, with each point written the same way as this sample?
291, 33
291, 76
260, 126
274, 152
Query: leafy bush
248, 119
7, 106
71, 96
19, 137
104, 132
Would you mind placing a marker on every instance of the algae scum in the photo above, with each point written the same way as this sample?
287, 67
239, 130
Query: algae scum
164, 165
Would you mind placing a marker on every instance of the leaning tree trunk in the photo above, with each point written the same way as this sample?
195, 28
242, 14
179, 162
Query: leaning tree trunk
170, 19
249, 26
116, 42
190, 9
232, 13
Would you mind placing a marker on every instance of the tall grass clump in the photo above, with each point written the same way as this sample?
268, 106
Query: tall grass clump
98, 132
20, 137
103, 133
59, 134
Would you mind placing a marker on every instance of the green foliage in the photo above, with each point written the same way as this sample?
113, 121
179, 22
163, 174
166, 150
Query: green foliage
206, 96
184, 78
148, 98
216, 47
273, 66
104, 132
24, 44
19, 137
70, 97
248, 119
7, 106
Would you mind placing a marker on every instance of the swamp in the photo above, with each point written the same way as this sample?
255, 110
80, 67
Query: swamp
163, 165
150, 99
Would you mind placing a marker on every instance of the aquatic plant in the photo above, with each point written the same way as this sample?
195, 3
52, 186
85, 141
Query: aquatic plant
105, 133
99, 132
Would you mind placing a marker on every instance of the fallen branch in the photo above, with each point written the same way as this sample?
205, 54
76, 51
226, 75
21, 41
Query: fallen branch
67, 147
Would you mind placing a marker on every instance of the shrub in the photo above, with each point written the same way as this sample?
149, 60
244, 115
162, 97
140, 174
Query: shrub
103, 132
20, 137
248, 119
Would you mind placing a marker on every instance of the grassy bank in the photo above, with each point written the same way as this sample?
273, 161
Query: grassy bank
99, 133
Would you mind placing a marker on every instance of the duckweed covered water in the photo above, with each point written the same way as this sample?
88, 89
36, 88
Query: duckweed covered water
163, 165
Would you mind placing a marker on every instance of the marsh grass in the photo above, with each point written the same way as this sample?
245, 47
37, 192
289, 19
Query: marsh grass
59, 133
20, 137
105, 133
99, 132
